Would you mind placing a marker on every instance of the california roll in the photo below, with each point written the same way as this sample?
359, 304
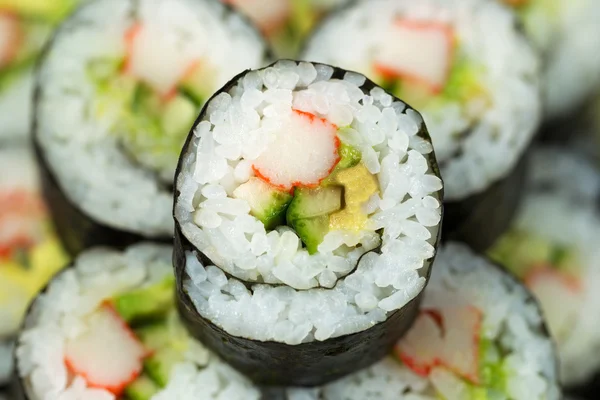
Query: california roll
107, 329
307, 214
553, 248
467, 68
118, 89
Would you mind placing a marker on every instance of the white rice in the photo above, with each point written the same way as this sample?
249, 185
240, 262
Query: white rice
511, 319
561, 207
59, 314
567, 36
408, 210
92, 169
488, 36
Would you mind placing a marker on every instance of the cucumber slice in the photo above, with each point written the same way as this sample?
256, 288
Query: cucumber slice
308, 214
349, 156
266, 202
159, 365
179, 116
146, 303
143, 388
155, 336
309, 203
312, 231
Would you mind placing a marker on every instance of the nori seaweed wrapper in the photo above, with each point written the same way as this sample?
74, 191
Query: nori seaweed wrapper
76, 229
5, 380
482, 218
272, 363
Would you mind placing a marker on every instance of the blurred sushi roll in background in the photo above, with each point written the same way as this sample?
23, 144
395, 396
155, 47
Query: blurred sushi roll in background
30, 253
465, 66
307, 214
479, 335
25, 25
107, 328
118, 89
566, 34
286, 23
553, 248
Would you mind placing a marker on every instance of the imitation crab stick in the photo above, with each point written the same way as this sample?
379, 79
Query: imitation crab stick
286, 163
447, 337
108, 355
559, 295
153, 58
418, 52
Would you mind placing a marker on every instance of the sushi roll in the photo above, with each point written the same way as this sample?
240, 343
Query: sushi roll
286, 23
25, 25
307, 214
479, 335
566, 34
118, 88
465, 66
553, 248
30, 252
107, 329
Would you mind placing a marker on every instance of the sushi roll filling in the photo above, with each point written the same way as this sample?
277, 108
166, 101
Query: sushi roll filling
306, 188
150, 106
448, 345
312, 201
131, 342
285, 22
309, 185
422, 63
551, 271
128, 341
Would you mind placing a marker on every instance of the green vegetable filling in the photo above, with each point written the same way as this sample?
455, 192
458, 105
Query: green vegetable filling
522, 251
151, 312
146, 303
150, 127
462, 86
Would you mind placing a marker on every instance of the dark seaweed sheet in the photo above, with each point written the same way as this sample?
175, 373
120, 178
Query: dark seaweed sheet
77, 230
481, 219
277, 364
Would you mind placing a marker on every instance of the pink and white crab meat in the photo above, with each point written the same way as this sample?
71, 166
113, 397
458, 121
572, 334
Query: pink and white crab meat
559, 295
157, 59
447, 337
419, 52
304, 152
108, 355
